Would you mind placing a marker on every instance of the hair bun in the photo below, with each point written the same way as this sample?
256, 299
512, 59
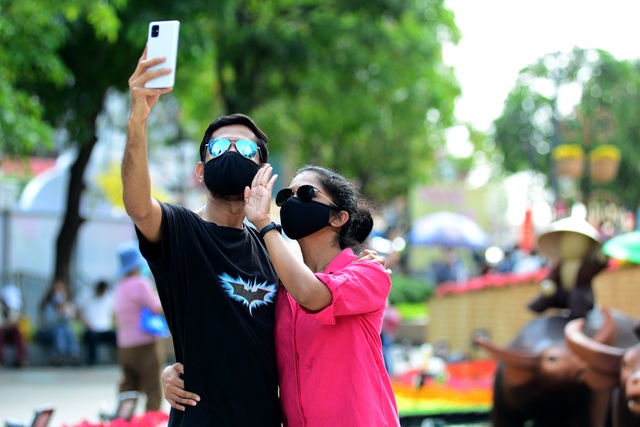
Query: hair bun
362, 226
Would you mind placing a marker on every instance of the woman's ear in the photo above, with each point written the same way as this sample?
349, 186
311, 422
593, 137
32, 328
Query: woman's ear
200, 172
340, 219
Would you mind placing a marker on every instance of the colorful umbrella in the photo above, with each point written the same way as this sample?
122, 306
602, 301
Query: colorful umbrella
448, 229
624, 247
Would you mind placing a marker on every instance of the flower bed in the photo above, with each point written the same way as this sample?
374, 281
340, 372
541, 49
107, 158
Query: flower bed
466, 387
150, 419
491, 280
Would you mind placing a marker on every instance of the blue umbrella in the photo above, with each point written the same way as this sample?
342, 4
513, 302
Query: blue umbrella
448, 229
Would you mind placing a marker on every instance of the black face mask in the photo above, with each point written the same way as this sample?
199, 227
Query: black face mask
229, 174
300, 219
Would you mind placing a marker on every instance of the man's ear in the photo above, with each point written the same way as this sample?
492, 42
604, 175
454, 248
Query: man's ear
200, 172
340, 219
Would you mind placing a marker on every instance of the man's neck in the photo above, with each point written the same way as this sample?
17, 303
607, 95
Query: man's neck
223, 212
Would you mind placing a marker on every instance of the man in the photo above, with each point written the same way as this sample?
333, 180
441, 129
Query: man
213, 274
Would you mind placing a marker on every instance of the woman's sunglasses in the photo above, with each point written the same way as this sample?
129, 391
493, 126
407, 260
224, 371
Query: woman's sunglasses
306, 193
219, 146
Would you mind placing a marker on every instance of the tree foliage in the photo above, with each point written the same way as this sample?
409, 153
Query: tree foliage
375, 97
536, 117
31, 35
358, 86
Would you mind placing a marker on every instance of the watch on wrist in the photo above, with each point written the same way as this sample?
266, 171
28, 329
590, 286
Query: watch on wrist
267, 228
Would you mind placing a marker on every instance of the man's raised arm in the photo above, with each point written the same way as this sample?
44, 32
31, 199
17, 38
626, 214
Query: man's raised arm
136, 184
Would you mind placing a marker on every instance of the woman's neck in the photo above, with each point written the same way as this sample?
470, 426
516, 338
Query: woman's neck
317, 255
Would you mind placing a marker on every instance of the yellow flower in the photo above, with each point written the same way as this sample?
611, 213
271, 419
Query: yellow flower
604, 151
567, 151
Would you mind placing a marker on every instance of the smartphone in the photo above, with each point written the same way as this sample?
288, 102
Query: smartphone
163, 41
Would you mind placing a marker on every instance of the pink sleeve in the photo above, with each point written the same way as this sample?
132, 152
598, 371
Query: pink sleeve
360, 287
149, 297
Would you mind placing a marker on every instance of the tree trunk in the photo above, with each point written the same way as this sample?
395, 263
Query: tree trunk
72, 219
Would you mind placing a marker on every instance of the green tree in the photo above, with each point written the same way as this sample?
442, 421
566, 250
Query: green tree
535, 120
363, 82
375, 97
31, 35
94, 48
43, 45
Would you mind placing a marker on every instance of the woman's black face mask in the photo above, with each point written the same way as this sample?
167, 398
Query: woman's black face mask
300, 219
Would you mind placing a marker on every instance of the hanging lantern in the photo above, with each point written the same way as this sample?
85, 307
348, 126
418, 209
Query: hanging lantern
569, 160
604, 161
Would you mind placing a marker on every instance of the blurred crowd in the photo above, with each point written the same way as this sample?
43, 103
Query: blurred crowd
451, 267
70, 329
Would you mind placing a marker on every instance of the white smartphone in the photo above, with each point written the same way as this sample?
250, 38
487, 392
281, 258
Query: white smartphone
163, 41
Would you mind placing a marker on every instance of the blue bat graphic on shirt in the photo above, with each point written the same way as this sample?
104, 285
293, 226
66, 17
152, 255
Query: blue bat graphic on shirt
252, 295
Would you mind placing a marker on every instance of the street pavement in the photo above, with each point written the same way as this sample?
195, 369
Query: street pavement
77, 393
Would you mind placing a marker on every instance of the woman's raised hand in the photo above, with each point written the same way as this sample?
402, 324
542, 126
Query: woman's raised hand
257, 199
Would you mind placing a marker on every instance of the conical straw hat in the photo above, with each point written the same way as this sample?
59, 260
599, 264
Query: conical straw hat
548, 241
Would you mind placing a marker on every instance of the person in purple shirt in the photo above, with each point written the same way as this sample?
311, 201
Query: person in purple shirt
139, 352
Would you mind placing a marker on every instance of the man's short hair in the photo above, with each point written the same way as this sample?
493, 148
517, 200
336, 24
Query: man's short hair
236, 119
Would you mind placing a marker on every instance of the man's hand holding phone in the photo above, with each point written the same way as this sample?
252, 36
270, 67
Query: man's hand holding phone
156, 69
162, 42
143, 99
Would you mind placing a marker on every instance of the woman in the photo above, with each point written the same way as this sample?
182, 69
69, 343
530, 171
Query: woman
57, 314
329, 307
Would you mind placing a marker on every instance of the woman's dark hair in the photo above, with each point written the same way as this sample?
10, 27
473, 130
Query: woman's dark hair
236, 119
356, 230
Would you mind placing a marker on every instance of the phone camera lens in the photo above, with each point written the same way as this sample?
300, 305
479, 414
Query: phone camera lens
155, 30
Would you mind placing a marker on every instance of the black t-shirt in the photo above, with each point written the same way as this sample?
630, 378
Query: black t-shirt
218, 291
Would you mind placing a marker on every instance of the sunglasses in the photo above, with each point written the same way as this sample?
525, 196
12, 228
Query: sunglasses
305, 193
219, 146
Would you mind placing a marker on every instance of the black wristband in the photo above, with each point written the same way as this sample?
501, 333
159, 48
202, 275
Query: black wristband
267, 228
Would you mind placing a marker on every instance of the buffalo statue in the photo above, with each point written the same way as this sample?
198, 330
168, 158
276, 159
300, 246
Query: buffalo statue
615, 369
538, 380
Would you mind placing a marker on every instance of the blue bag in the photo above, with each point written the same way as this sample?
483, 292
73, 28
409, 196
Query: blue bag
154, 324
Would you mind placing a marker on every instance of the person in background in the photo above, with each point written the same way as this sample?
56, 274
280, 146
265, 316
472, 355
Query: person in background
10, 333
95, 310
329, 307
529, 262
390, 323
450, 269
57, 314
140, 354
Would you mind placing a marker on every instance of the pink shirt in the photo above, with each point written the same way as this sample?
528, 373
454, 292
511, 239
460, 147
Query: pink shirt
130, 295
330, 363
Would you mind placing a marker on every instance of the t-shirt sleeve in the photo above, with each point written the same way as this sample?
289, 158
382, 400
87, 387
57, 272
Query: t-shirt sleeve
153, 252
174, 218
361, 287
